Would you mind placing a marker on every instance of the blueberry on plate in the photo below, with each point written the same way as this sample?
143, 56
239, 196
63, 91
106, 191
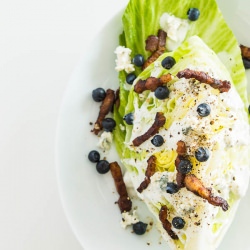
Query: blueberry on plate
185, 166
108, 124
140, 228
98, 94
162, 93
129, 118
130, 78
138, 60
193, 14
246, 63
94, 156
172, 188
203, 110
178, 222
102, 166
168, 62
157, 140
202, 154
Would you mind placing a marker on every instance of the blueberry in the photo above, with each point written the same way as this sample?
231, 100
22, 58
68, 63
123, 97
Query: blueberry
203, 110
249, 109
172, 188
140, 228
102, 167
162, 92
193, 14
130, 78
246, 63
138, 60
168, 62
98, 94
108, 124
202, 154
129, 118
94, 156
157, 140
178, 222
185, 166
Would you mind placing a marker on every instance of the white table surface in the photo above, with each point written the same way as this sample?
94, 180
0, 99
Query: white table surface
41, 42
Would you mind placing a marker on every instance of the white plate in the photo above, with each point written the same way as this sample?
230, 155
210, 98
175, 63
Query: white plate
88, 198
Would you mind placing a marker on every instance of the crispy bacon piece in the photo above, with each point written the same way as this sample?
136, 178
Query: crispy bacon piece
179, 176
151, 168
222, 86
151, 83
105, 108
152, 43
159, 122
194, 185
153, 57
166, 78
163, 216
245, 51
124, 202
181, 151
181, 148
161, 47
140, 86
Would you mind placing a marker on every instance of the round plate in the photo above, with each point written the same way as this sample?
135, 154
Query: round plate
88, 197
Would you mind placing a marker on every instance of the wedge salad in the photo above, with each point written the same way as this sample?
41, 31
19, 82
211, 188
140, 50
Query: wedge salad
180, 120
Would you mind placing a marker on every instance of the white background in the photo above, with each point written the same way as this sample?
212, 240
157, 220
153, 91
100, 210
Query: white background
41, 41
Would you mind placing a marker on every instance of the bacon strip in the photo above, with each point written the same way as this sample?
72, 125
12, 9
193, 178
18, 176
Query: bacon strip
179, 176
151, 83
181, 148
152, 43
105, 108
163, 216
194, 185
161, 47
151, 168
159, 122
222, 86
124, 202
245, 51
181, 151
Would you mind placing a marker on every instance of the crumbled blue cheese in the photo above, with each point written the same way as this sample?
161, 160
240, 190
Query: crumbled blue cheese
129, 219
157, 69
176, 29
105, 140
123, 61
